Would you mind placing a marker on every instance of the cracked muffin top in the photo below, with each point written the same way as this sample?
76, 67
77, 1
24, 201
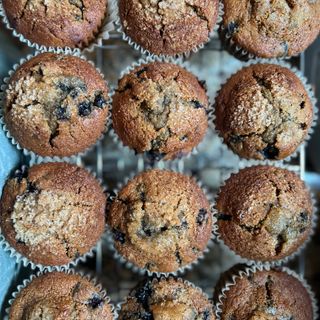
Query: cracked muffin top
160, 109
56, 105
60, 296
264, 213
271, 29
63, 23
161, 221
267, 295
168, 27
166, 299
52, 213
263, 112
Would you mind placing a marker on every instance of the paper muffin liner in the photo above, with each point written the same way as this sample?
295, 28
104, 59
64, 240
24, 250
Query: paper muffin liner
145, 52
143, 271
249, 270
277, 262
142, 61
102, 34
155, 280
26, 152
309, 91
22, 260
87, 276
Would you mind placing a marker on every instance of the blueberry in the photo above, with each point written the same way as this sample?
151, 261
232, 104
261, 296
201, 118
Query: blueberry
142, 295
20, 242
197, 104
224, 217
184, 138
84, 108
141, 71
64, 87
21, 174
178, 257
99, 101
96, 301
303, 217
61, 113
270, 152
303, 126
302, 104
32, 188
202, 215
119, 236
232, 28
146, 316
206, 315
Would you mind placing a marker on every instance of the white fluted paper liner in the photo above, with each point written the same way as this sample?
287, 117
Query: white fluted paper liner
249, 270
83, 275
145, 52
163, 278
278, 262
130, 68
143, 271
102, 34
21, 259
309, 91
4, 86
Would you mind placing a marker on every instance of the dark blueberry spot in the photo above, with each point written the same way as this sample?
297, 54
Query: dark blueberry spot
302, 104
142, 295
206, 315
235, 139
32, 188
232, 28
202, 216
20, 242
119, 236
100, 101
178, 257
143, 196
163, 229
184, 224
197, 104
166, 101
302, 230
224, 217
153, 155
21, 174
84, 108
95, 302
303, 126
128, 86
141, 71
184, 138
74, 93
64, 87
146, 316
304, 217
61, 113
270, 152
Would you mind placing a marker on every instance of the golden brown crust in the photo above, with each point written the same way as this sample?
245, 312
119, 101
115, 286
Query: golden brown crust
160, 109
56, 105
168, 27
267, 295
64, 23
52, 213
60, 296
161, 221
272, 29
166, 299
265, 213
263, 112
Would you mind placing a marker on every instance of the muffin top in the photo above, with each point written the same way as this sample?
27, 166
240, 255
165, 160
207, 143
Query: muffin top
267, 295
168, 27
63, 23
264, 213
56, 105
60, 296
166, 299
161, 221
263, 112
52, 213
272, 29
160, 109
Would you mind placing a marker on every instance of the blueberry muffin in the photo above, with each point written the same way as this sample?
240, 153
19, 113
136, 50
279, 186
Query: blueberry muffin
271, 29
56, 105
160, 109
52, 213
166, 299
168, 27
64, 23
264, 213
267, 295
161, 221
263, 112
60, 296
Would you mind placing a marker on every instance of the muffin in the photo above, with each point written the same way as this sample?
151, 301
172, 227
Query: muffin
56, 105
60, 296
272, 29
166, 299
168, 27
267, 295
64, 23
160, 109
264, 213
263, 112
161, 221
52, 213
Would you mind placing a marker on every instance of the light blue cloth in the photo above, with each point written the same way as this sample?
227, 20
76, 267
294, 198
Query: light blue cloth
9, 159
